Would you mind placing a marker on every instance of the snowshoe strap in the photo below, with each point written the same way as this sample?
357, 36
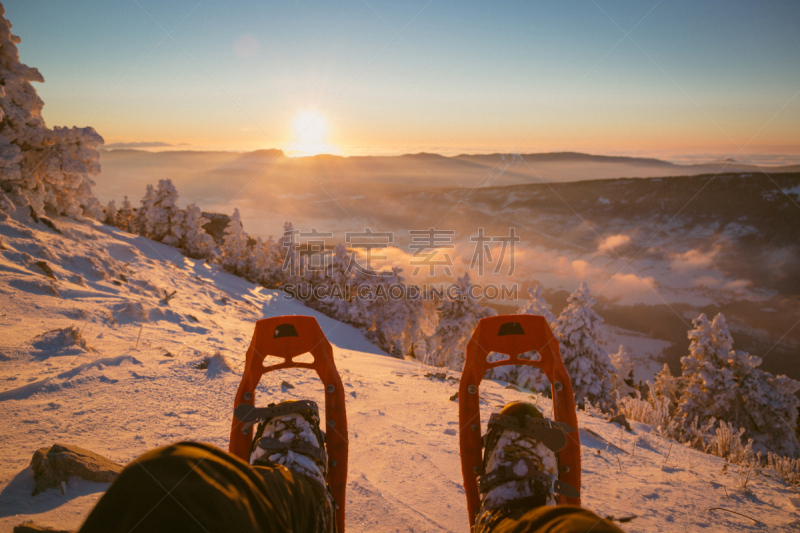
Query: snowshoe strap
505, 473
551, 434
270, 444
248, 413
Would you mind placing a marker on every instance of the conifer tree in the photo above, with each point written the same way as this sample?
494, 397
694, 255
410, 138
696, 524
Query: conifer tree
288, 261
111, 213
666, 384
721, 383
125, 216
235, 253
147, 202
580, 331
163, 220
196, 242
537, 305
708, 385
622, 377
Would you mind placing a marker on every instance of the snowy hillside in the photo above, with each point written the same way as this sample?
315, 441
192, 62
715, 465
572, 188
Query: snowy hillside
100, 356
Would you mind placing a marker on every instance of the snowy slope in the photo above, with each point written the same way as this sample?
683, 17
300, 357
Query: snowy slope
108, 394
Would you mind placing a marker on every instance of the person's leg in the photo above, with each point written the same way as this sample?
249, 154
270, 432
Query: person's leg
195, 487
550, 519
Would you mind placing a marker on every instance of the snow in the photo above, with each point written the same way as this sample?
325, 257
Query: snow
140, 389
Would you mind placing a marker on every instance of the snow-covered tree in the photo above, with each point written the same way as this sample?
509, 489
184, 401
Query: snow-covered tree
708, 386
622, 378
389, 320
235, 252
196, 242
125, 216
666, 384
336, 278
111, 213
359, 312
163, 219
580, 330
49, 170
421, 327
767, 407
141, 215
396, 317
458, 318
721, 383
288, 253
537, 305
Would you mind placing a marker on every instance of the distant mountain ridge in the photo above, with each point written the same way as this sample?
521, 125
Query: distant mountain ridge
214, 176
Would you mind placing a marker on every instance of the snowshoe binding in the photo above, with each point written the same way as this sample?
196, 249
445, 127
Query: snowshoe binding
289, 435
520, 463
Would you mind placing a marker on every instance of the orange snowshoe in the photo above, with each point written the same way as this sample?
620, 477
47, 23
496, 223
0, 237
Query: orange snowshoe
514, 335
287, 337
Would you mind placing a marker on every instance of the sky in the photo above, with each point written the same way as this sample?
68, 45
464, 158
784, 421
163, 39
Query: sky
673, 79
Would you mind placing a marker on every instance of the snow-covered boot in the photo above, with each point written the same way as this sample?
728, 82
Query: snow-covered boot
289, 435
520, 466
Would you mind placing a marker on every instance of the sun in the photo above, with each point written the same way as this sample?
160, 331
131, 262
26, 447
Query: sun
310, 133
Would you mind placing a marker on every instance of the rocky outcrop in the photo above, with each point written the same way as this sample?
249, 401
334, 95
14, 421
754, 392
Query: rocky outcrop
54, 466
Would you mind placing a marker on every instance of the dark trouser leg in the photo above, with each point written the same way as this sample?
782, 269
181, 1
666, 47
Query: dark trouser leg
195, 487
550, 519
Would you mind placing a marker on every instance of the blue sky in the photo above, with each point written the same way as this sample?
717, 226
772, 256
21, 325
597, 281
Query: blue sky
690, 78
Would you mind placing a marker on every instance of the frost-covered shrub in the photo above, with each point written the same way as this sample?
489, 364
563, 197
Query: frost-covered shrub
580, 330
788, 468
726, 442
43, 168
654, 411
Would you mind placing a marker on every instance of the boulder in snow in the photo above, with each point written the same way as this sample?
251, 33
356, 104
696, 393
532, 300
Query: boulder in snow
51, 467
622, 421
30, 527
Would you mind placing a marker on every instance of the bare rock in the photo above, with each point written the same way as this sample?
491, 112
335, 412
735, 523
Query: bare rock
51, 467
30, 527
46, 269
622, 421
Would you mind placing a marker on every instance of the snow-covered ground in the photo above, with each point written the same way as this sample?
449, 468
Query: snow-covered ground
125, 380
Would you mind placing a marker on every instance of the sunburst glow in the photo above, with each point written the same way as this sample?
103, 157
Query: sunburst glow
310, 133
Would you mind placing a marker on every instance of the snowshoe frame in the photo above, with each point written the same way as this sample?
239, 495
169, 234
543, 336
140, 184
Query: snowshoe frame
287, 337
513, 335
